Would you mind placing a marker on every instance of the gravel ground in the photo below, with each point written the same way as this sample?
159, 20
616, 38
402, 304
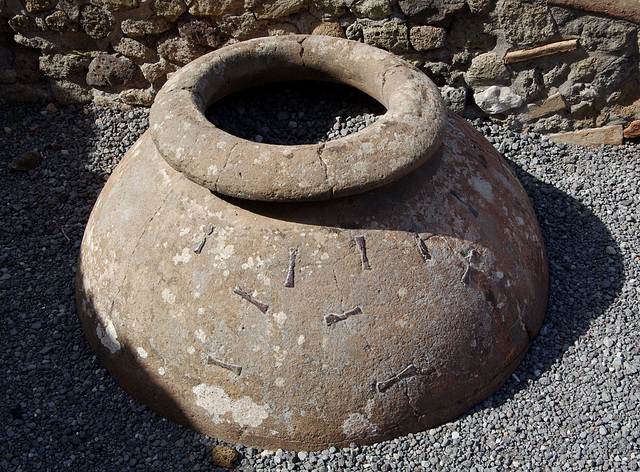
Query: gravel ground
573, 404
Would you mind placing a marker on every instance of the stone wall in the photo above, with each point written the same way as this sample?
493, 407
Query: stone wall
533, 64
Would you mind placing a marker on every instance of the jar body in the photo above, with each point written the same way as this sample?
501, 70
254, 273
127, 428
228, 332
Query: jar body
305, 325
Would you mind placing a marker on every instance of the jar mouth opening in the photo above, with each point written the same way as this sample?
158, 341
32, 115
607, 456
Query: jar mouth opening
296, 112
403, 138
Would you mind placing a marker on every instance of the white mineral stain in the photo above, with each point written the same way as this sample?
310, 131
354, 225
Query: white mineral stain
142, 353
168, 297
185, 231
280, 317
108, 336
202, 337
356, 425
301, 340
520, 221
402, 292
201, 311
184, 257
244, 411
161, 370
324, 256
483, 187
249, 264
191, 350
225, 273
279, 382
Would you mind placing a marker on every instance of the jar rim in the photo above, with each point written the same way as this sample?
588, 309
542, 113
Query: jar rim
398, 142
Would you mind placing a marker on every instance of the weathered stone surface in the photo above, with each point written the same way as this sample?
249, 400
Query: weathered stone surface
599, 34
281, 29
154, 71
169, 9
472, 33
615, 74
199, 31
526, 22
497, 99
272, 9
478, 6
548, 106
329, 28
120, 5
390, 35
558, 47
36, 42
430, 11
137, 28
633, 130
609, 135
134, 49
373, 9
528, 84
240, 26
485, 70
327, 8
109, 70
61, 66
60, 22
23, 24
179, 50
455, 98
138, 97
97, 22
624, 9
67, 92
37, 6
426, 38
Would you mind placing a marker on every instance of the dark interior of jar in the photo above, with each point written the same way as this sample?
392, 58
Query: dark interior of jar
295, 112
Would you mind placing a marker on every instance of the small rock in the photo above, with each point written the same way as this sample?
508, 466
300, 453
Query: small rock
51, 108
633, 130
610, 251
223, 456
497, 99
26, 161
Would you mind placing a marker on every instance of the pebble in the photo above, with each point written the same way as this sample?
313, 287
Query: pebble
573, 403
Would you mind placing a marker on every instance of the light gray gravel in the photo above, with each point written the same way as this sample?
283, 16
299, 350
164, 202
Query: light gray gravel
573, 404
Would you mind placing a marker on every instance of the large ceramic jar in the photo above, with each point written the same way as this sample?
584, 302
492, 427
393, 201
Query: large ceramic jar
313, 295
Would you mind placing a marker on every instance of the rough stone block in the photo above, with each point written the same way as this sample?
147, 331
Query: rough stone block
120, 5
67, 92
61, 66
37, 6
96, 21
200, 31
273, 9
134, 49
429, 11
331, 28
426, 38
608, 135
142, 27
372, 9
169, 9
179, 50
486, 69
390, 36
604, 35
109, 70
526, 23
60, 22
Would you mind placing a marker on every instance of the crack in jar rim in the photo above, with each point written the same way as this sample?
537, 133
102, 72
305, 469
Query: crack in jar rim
398, 142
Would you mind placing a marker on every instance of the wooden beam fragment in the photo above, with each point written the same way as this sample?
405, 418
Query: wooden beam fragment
540, 51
